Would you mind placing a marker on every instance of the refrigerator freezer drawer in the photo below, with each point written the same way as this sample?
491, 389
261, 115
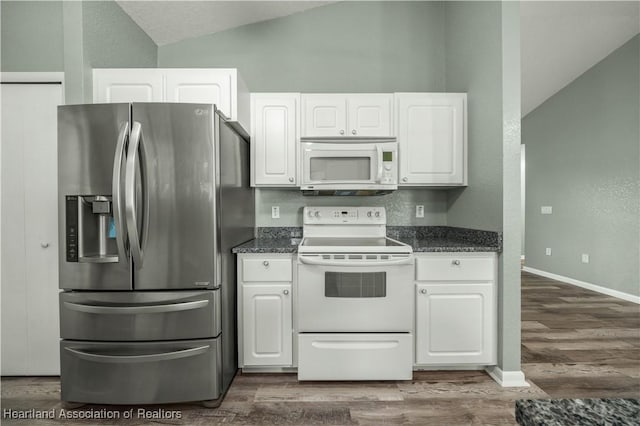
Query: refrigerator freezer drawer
140, 373
139, 316
355, 356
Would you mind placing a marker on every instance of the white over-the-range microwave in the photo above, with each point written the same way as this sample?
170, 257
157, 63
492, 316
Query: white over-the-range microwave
349, 166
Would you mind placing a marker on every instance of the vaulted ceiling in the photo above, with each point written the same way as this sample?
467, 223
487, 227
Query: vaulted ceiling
560, 39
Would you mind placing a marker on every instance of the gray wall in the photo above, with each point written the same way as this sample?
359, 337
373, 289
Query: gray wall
32, 36
347, 46
483, 59
344, 47
111, 39
583, 159
73, 37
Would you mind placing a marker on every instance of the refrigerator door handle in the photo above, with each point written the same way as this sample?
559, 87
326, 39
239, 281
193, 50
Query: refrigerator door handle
128, 359
136, 144
128, 310
116, 199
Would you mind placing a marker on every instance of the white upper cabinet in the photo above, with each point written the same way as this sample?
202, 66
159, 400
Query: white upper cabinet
274, 137
432, 137
128, 85
220, 86
347, 114
370, 115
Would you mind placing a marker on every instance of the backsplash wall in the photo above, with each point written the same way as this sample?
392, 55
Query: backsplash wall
400, 205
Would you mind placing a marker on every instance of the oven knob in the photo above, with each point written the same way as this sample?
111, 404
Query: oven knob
377, 214
310, 213
317, 215
369, 214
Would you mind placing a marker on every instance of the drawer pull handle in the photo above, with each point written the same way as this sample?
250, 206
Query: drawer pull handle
423, 291
128, 359
455, 262
266, 263
285, 292
133, 310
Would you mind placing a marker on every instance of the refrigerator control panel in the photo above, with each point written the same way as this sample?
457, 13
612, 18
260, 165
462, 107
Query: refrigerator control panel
71, 228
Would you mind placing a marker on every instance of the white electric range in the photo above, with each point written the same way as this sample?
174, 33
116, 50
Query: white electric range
355, 297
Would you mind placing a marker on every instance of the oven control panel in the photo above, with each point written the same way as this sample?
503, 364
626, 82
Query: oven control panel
344, 215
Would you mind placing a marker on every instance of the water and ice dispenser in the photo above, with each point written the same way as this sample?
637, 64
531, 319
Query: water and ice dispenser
90, 229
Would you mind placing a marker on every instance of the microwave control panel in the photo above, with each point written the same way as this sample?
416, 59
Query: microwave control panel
389, 172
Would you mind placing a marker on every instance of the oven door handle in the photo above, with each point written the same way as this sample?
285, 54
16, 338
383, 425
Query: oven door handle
352, 263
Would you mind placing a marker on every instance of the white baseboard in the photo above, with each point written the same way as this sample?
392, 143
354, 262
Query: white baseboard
599, 289
507, 379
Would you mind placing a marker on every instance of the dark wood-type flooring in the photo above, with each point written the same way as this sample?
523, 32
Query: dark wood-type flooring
575, 344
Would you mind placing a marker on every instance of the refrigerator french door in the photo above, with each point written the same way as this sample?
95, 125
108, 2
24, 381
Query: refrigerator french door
144, 265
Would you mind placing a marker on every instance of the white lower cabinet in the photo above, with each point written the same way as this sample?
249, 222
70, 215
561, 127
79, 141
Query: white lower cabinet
456, 313
265, 311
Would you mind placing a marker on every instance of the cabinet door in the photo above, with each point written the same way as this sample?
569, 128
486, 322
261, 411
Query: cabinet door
369, 115
455, 324
274, 136
324, 115
267, 329
212, 86
127, 85
431, 129
29, 253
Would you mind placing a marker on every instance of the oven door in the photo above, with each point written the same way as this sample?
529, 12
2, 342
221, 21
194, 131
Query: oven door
354, 297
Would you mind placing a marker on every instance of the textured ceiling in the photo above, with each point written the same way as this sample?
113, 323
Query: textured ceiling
561, 40
170, 21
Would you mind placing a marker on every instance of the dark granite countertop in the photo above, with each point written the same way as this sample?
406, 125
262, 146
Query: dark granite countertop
269, 245
420, 238
583, 412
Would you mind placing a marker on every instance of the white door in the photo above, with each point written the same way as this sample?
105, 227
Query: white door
324, 115
127, 85
455, 324
30, 323
370, 115
274, 138
431, 138
201, 86
267, 329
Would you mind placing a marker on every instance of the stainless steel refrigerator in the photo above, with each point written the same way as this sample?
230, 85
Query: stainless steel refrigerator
152, 197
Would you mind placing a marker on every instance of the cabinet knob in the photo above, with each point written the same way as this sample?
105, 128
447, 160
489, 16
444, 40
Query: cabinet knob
285, 292
342, 132
455, 262
353, 132
44, 245
266, 263
423, 291
404, 179
290, 179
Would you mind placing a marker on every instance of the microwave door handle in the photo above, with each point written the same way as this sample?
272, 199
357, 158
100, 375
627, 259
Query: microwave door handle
380, 165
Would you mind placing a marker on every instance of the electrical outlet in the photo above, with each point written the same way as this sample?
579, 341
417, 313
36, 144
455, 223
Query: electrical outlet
419, 211
546, 209
275, 212
547, 251
585, 258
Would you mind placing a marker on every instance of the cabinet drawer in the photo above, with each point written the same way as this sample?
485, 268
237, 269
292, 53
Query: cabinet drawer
455, 268
140, 373
266, 269
139, 316
354, 356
